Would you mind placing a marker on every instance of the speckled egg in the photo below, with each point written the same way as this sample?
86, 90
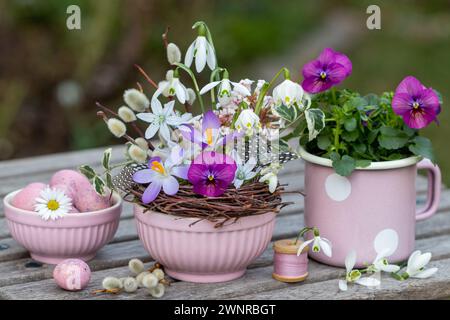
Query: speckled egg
26, 198
85, 199
72, 274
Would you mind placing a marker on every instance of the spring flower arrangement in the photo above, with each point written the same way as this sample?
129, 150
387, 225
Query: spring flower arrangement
220, 163
361, 129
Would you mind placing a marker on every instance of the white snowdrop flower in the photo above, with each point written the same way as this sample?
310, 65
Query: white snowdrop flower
150, 281
354, 275
136, 266
288, 93
202, 51
52, 204
126, 114
136, 100
169, 75
416, 265
172, 88
191, 96
130, 284
318, 243
137, 154
158, 291
110, 283
271, 179
117, 127
225, 92
380, 263
159, 274
247, 120
142, 143
173, 53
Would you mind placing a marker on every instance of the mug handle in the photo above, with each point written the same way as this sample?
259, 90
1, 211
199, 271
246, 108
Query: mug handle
434, 189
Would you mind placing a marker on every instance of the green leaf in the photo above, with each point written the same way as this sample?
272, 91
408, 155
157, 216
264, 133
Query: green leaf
350, 124
323, 142
422, 147
289, 114
391, 138
350, 136
109, 182
334, 156
362, 163
315, 119
344, 166
360, 147
87, 171
99, 185
106, 158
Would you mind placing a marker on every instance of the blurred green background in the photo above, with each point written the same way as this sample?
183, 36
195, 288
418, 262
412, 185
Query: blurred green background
50, 77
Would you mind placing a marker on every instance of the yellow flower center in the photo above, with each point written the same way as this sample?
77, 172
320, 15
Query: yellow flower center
158, 167
416, 105
323, 75
210, 177
209, 136
53, 205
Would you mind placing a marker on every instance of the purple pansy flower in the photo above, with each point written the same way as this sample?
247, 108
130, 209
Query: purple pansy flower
329, 69
160, 175
417, 104
211, 173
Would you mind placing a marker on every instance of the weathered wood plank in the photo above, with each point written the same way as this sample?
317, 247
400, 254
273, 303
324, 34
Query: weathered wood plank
110, 256
257, 283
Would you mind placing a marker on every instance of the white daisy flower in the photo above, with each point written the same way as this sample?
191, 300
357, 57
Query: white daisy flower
52, 204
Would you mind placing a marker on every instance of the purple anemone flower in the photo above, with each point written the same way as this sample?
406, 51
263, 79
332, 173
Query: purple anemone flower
211, 173
417, 104
329, 69
160, 175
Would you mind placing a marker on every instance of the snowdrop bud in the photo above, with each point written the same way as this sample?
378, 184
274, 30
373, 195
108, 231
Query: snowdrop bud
130, 284
191, 96
169, 75
110, 283
136, 266
173, 53
137, 154
117, 127
150, 281
158, 274
126, 114
142, 143
158, 291
136, 100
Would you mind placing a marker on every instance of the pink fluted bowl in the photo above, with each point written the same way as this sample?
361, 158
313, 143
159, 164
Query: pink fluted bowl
199, 252
77, 235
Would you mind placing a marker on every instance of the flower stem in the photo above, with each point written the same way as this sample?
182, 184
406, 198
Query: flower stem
265, 88
333, 94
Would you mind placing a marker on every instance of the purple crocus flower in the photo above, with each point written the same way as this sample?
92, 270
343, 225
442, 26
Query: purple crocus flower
329, 69
417, 104
160, 175
211, 173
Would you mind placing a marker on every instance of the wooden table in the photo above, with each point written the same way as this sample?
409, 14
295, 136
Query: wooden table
20, 279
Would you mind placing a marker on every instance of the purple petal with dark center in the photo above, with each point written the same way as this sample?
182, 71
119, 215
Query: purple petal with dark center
311, 69
336, 73
344, 61
210, 121
401, 103
410, 85
315, 85
151, 192
224, 172
430, 100
197, 173
327, 56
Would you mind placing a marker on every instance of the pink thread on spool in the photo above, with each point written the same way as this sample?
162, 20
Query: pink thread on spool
288, 267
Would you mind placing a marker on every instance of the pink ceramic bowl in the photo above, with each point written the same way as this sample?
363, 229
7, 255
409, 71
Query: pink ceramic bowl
199, 252
77, 235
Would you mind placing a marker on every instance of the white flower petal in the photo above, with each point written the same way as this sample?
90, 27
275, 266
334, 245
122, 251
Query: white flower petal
302, 246
200, 55
164, 131
425, 274
368, 282
390, 268
421, 261
209, 86
211, 56
189, 54
168, 108
342, 285
156, 106
350, 261
326, 246
147, 117
241, 89
151, 130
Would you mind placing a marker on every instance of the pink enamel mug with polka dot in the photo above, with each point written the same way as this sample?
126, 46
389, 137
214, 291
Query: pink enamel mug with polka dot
375, 202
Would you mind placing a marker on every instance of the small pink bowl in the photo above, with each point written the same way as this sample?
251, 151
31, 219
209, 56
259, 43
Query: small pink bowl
77, 235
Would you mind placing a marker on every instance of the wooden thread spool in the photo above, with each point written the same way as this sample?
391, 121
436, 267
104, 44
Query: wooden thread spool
288, 267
